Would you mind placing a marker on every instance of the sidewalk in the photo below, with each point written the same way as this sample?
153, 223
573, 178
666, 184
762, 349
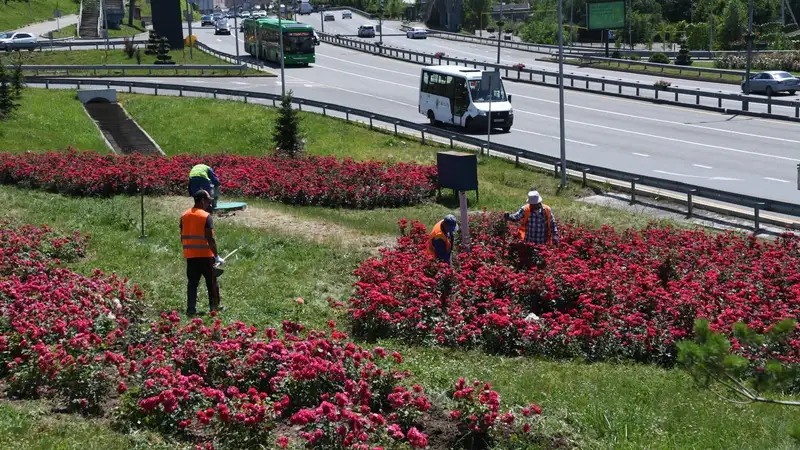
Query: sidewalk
42, 28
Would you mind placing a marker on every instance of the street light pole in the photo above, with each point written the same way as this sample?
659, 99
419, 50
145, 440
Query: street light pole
571, 4
562, 137
280, 31
380, 21
188, 17
749, 47
499, 34
236, 34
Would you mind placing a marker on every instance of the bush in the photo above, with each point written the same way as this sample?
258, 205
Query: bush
286, 135
659, 58
789, 61
635, 57
129, 49
684, 58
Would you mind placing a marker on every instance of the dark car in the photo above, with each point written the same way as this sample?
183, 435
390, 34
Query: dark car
206, 20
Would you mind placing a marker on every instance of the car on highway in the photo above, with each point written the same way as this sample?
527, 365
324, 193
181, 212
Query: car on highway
329, 17
366, 31
245, 15
417, 33
347, 14
17, 41
222, 27
471, 98
206, 20
305, 8
772, 82
260, 13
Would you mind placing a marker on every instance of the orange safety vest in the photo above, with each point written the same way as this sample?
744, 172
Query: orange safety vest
523, 225
193, 234
437, 234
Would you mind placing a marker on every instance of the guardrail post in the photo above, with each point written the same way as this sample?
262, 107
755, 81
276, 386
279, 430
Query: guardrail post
620, 89
215, 94
130, 88
180, 92
585, 171
244, 97
273, 103
719, 102
657, 93
300, 105
370, 121
676, 96
79, 84
395, 127
757, 217
47, 84
347, 115
633, 190
690, 202
324, 110
697, 102
516, 158
603, 86
637, 91
156, 89
555, 169
587, 84
769, 104
745, 105
451, 141
423, 135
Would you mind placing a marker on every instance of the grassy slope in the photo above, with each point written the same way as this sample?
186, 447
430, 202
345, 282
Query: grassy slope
620, 406
66, 32
17, 13
49, 120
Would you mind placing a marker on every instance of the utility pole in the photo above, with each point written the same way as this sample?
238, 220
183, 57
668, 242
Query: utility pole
236, 33
189, 21
749, 50
571, 4
499, 33
380, 21
711, 35
280, 32
630, 20
562, 137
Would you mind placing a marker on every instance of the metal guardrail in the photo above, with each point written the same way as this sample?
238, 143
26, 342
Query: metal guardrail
681, 69
129, 67
589, 83
98, 45
228, 57
585, 170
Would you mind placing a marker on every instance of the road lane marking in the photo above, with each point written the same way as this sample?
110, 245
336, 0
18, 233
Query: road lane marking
653, 136
777, 179
554, 137
415, 75
640, 154
702, 166
367, 77
697, 176
240, 83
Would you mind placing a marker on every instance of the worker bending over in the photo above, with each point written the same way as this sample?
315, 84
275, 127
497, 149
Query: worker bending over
203, 177
537, 225
440, 240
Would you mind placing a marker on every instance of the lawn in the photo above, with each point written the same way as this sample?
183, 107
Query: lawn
49, 120
117, 56
15, 13
66, 32
610, 405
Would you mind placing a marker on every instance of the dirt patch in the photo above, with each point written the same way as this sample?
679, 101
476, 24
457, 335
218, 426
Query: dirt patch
318, 231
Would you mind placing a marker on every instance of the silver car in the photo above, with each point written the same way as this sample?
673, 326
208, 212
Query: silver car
772, 82
17, 41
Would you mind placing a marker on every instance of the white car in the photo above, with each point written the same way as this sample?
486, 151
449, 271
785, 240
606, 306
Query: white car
260, 13
417, 33
329, 17
17, 41
347, 14
245, 15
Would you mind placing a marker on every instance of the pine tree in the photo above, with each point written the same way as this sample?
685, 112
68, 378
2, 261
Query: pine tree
286, 133
162, 53
683, 58
7, 104
152, 43
17, 80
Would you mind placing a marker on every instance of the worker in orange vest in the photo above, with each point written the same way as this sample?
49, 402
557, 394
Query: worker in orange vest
200, 251
440, 240
537, 225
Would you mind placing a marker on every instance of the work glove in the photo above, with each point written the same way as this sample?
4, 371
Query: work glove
219, 261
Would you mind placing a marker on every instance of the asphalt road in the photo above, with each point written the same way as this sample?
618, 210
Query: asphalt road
740, 154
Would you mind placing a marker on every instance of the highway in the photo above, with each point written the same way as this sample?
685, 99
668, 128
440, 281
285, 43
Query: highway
738, 154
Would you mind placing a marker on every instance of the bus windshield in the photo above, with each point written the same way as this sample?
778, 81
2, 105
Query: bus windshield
298, 42
481, 93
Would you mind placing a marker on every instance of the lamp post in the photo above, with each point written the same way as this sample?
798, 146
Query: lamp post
280, 31
380, 21
749, 49
188, 17
322, 17
499, 33
562, 137
236, 35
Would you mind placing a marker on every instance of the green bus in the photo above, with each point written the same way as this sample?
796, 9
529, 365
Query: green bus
263, 41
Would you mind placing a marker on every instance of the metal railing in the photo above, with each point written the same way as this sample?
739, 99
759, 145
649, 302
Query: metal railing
231, 58
634, 89
131, 67
98, 45
659, 68
581, 170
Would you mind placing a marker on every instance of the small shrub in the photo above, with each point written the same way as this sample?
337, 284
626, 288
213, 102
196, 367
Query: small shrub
684, 58
162, 53
635, 57
616, 54
286, 134
659, 58
138, 55
129, 49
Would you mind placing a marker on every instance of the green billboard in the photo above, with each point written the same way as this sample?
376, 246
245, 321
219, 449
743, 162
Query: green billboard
606, 15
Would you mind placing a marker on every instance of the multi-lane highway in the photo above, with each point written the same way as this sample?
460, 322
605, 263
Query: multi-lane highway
740, 154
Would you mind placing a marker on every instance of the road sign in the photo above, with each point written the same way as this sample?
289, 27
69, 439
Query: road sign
57, 13
606, 15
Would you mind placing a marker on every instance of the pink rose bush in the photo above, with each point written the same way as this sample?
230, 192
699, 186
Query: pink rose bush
601, 294
83, 340
311, 180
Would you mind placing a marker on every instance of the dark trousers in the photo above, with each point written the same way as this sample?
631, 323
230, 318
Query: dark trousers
196, 268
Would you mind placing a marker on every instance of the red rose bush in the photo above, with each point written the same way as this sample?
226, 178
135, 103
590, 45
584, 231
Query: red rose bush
311, 180
599, 294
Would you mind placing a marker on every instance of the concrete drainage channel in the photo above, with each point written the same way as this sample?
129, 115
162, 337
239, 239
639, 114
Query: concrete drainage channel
701, 211
122, 134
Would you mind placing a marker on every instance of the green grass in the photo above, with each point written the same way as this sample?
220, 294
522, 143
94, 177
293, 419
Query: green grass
681, 72
66, 32
16, 14
49, 120
610, 405
126, 31
118, 56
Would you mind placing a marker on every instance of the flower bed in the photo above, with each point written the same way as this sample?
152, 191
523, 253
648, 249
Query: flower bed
601, 294
81, 340
323, 181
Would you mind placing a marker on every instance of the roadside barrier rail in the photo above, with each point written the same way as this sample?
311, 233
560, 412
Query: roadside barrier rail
130, 67
633, 89
582, 170
689, 70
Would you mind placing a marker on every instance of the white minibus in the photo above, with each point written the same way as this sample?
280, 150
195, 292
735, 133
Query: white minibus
461, 96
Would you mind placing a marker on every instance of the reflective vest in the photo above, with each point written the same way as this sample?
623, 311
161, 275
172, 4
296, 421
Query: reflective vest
437, 234
523, 224
200, 170
193, 234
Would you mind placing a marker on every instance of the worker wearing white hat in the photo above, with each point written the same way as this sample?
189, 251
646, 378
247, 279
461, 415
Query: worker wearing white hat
537, 225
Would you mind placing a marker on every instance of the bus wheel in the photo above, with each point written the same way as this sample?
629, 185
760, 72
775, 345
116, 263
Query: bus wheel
468, 124
431, 117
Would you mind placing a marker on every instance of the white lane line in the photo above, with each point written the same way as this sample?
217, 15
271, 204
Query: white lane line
651, 119
777, 179
553, 137
702, 166
697, 176
653, 136
196, 81
240, 83
367, 77
640, 154
415, 75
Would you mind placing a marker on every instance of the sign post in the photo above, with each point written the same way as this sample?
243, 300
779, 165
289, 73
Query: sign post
462, 201
605, 15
